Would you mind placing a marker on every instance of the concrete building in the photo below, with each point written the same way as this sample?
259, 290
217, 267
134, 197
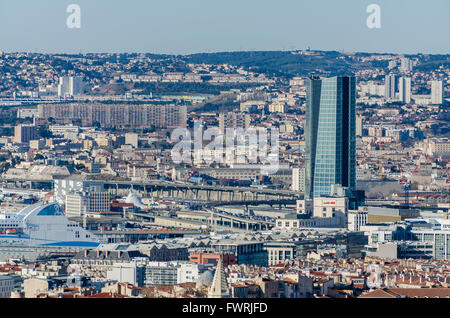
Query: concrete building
132, 273
37, 144
252, 106
356, 219
280, 251
247, 172
306, 288
437, 89
115, 115
298, 222
390, 86
359, 126
68, 131
324, 212
399, 250
7, 285
232, 120
425, 238
161, 273
26, 113
105, 259
189, 272
132, 139
25, 133
305, 207
404, 87
438, 147
406, 65
382, 250
34, 286
70, 86
79, 204
212, 258
380, 214
331, 208
277, 107
298, 179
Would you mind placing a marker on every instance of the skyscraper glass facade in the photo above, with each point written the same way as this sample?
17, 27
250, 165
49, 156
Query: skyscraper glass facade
330, 135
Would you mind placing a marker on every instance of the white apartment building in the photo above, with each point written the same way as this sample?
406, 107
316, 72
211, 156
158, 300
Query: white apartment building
189, 272
372, 89
168, 273
68, 131
305, 207
437, 146
404, 87
356, 219
390, 86
437, 89
298, 179
87, 202
70, 86
131, 273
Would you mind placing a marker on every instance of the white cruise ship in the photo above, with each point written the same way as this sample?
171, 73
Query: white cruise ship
43, 225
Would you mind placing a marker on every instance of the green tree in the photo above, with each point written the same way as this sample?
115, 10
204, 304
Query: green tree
44, 132
39, 157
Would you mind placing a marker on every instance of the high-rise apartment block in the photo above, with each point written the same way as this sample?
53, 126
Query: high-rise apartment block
406, 65
25, 133
330, 135
437, 89
390, 86
298, 179
116, 115
404, 87
233, 120
359, 126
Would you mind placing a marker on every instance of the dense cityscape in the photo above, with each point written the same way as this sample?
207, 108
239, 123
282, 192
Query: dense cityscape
114, 187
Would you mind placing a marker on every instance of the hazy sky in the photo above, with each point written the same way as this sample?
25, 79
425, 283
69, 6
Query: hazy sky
190, 26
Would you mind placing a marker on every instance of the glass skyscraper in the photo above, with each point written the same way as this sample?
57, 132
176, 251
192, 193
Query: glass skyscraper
330, 135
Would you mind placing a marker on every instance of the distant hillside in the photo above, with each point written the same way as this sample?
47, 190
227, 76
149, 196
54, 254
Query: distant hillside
283, 64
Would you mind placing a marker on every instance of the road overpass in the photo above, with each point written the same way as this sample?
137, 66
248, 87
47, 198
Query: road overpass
133, 235
174, 190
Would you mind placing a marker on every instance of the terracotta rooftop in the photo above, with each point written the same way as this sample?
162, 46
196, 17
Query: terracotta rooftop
408, 293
